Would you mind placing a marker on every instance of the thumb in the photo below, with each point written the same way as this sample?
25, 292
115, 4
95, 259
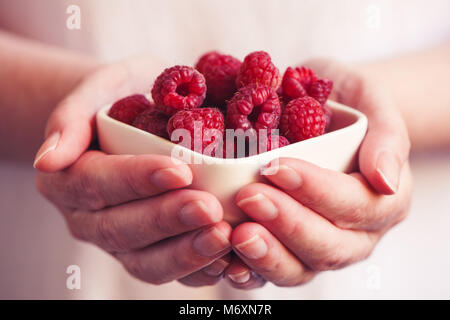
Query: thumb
70, 128
386, 146
68, 134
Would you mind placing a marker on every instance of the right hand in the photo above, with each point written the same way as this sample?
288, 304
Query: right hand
135, 207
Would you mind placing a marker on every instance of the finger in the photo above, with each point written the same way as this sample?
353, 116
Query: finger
97, 180
180, 256
386, 146
265, 255
240, 276
70, 134
138, 224
209, 275
346, 200
312, 238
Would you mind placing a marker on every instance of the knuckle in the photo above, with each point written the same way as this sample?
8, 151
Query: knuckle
109, 235
183, 260
161, 223
271, 265
268, 269
355, 217
84, 184
331, 261
295, 231
87, 191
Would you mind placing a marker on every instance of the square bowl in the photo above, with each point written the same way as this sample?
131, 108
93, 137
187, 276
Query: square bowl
336, 150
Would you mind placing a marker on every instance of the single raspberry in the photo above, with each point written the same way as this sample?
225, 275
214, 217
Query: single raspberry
302, 81
296, 82
258, 68
207, 58
153, 121
128, 108
328, 115
220, 72
204, 126
302, 118
254, 107
179, 88
320, 90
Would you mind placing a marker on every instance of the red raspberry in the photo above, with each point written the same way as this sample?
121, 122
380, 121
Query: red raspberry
254, 107
153, 121
296, 81
206, 58
210, 124
320, 90
220, 72
302, 81
128, 108
179, 88
302, 118
258, 68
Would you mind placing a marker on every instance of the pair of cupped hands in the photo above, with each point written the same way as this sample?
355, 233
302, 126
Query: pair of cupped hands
141, 210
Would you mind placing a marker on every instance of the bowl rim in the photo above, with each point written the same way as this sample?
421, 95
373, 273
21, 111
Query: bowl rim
361, 121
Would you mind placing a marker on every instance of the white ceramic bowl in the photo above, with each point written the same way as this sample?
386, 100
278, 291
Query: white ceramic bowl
334, 150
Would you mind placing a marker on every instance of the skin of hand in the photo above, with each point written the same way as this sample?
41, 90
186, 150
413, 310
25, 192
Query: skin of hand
312, 219
138, 208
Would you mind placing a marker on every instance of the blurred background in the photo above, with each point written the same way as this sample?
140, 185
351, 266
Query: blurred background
411, 261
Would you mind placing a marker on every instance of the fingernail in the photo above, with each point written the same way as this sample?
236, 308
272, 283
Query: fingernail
241, 277
216, 268
283, 176
196, 213
210, 242
259, 207
253, 248
50, 144
388, 168
167, 178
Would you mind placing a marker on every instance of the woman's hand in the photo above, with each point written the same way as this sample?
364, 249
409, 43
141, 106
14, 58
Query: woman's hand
137, 208
313, 219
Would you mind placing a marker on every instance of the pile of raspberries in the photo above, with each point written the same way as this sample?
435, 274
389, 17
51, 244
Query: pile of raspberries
223, 93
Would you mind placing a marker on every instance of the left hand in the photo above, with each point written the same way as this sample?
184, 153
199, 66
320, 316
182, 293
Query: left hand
314, 219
